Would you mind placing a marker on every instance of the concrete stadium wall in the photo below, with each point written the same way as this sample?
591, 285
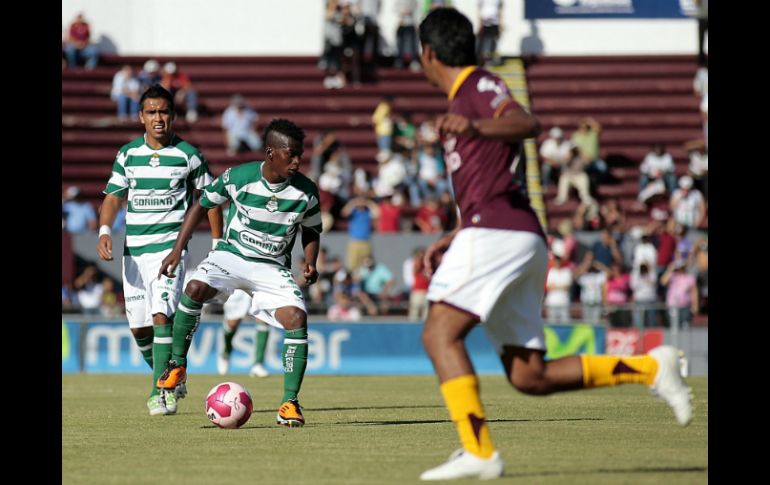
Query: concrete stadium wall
294, 27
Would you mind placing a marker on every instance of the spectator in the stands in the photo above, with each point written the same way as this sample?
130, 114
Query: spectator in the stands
382, 120
343, 309
125, 93
79, 215
573, 174
490, 25
605, 250
687, 204
617, 295
644, 284
376, 281
430, 219
361, 212
591, 280
77, 45
555, 152
698, 167
391, 209
149, 75
406, 35
239, 123
586, 138
557, 289
331, 60
418, 291
89, 289
657, 165
391, 173
682, 294
178, 83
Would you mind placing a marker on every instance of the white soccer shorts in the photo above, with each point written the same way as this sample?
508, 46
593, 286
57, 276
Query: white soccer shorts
271, 286
147, 295
498, 276
237, 305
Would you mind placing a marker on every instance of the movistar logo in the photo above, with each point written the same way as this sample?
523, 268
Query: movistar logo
152, 202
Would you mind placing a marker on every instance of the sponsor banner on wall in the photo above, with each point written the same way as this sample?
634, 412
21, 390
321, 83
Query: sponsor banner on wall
630, 341
572, 9
333, 348
70, 346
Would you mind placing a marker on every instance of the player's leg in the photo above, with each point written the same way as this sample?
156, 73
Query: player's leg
162, 299
444, 340
294, 357
278, 300
235, 308
260, 343
229, 327
140, 324
529, 372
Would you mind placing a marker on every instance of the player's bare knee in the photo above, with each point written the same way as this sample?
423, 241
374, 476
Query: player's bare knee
197, 290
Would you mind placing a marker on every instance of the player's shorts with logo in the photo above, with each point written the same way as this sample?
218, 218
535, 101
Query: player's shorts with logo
147, 295
498, 276
271, 286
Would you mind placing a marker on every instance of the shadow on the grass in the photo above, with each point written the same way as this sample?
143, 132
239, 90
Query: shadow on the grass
436, 421
682, 469
356, 408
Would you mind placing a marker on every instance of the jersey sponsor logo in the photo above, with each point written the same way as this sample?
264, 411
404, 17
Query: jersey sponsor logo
152, 202
263, 243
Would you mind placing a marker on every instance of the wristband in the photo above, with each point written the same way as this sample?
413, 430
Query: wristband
105, 230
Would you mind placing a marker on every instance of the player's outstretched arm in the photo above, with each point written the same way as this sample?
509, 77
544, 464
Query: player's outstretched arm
191, 220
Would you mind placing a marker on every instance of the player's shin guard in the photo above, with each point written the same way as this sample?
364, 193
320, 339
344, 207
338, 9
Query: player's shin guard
263, 331
294, 361
188, 315
145, 347
161, 351
611, 370
462, 398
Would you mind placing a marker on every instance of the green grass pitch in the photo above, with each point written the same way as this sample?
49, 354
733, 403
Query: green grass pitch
371, 430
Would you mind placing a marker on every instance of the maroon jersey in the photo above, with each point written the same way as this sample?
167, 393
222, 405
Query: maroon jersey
486, 192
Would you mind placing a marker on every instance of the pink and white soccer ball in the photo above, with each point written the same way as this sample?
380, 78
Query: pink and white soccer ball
229, 405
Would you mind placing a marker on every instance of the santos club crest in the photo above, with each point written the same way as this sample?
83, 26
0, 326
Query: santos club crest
272, 204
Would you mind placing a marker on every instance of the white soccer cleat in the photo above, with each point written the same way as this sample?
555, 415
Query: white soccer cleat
669, 385
180, 391
258, 370
462, 464
223, 364
169, 396
156, 405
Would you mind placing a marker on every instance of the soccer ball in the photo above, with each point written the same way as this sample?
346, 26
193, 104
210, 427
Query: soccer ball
229, 405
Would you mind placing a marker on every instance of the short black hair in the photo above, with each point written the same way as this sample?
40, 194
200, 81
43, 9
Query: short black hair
284, 127
450, 35
157, 91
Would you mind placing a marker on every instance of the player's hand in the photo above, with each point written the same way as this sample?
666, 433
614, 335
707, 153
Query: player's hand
104, 247
454, 124
310, 274
434, 253
169, 264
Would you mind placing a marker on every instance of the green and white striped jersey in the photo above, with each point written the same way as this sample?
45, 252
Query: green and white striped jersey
159, 186
263, 223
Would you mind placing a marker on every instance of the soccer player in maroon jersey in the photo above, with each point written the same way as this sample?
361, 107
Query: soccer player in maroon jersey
493, 265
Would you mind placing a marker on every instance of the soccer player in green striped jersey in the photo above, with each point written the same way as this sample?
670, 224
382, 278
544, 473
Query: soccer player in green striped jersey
159, 174
273, 202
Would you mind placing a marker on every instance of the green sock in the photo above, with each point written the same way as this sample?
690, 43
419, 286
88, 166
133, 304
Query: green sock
229, 334
186, 320
145, 347
294, 361
161, 352
263, 331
